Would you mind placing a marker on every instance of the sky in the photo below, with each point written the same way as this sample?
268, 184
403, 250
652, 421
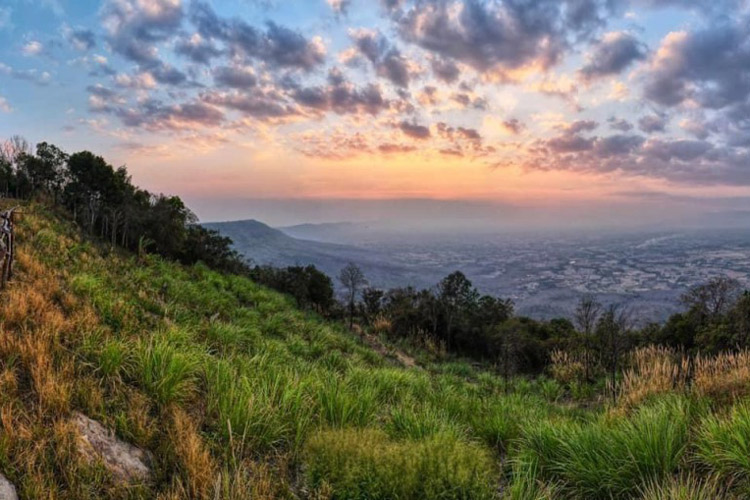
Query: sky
464, 110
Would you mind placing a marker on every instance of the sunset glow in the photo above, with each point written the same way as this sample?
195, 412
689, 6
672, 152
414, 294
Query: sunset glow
528, 103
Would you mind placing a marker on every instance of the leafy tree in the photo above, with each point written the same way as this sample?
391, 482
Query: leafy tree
457, 296
372, 300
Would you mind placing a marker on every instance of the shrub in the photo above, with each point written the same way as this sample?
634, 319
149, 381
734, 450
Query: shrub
366, 464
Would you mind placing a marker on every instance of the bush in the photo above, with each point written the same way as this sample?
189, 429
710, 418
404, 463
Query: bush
366, 464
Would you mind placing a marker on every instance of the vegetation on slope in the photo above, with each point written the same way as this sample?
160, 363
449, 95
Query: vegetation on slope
237, 394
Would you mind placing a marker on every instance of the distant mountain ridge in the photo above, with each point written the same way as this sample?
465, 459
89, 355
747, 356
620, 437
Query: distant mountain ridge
264, 245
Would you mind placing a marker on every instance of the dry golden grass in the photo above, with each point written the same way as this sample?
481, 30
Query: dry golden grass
657, 370
725, 377
652, 370
381, 325
197, 468
566, 367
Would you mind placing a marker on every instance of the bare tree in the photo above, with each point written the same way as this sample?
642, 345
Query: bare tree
353, 280
612, 328
586, 315
714, 298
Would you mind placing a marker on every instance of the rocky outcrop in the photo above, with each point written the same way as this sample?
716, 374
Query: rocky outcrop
7, 490
97, 444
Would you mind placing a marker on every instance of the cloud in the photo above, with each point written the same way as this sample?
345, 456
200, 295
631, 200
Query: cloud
239, 77
134, 27
340, 96
620, 124
32, 48
154, 115
265, 105
140, 81
612, 54
5, 106
414, 130
682, 150
277, 46
41, 78
499, 36
339, 6
695, 127
445, 70
334, 145
514, 126
81, 39
653, 123
390, 148
197, 49
168, 74
570, 143
617, 145
710, 67
386, 59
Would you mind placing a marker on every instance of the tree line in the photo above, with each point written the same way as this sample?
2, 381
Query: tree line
453, 314
105, 203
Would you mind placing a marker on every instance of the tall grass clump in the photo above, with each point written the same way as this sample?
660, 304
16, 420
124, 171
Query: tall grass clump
366, 464
610, 459
723, 444
686, 488
167, 372
344, 404
419, 422
258, 414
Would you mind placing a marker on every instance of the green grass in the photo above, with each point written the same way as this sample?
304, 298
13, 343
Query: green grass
167, 371
283, 404
610, 459
367, 464
723, 444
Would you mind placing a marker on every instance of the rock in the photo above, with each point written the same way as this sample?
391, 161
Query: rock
125, 461
7, 490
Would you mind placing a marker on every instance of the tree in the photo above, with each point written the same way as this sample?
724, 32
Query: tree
612, 329
712, 299
586, 315
457, 296
372, 298
507, 347
352, 279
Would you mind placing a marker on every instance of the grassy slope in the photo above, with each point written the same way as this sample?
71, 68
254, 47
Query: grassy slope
239, 395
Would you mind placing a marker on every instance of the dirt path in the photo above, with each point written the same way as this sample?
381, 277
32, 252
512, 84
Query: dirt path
400, 356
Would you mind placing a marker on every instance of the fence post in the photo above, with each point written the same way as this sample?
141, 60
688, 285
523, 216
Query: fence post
7, 244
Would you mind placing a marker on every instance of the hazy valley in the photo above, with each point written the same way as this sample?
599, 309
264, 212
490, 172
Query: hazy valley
544, 274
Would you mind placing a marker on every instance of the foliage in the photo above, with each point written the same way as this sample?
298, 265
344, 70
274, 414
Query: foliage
366, 464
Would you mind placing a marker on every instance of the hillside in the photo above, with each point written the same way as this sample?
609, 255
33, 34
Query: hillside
268, 246
231, 392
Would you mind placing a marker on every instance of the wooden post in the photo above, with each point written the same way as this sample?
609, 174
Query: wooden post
7, 244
